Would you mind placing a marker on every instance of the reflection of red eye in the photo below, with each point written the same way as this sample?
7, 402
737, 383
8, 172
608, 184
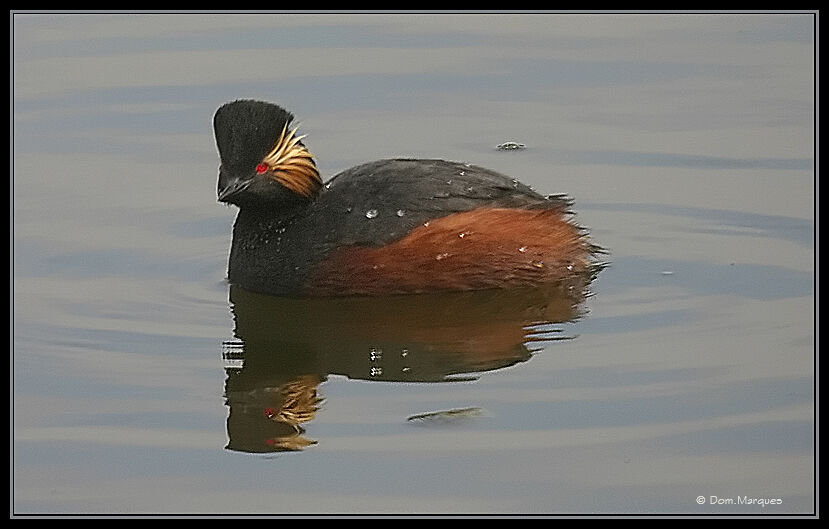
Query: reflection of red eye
269, 412
261, 168
270, 442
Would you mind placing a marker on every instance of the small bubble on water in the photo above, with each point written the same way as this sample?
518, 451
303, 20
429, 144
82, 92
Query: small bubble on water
441, 256
522, 249
375, 355
538, 264
375, 371
370, 214
401, 212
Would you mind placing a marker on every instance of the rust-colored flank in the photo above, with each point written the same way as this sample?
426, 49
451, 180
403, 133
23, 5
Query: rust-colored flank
473, 250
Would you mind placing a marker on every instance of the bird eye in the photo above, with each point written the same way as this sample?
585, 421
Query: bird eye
262, 168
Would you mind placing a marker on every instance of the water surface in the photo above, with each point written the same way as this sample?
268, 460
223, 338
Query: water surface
687, 142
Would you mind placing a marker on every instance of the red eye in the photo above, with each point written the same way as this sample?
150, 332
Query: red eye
261, 168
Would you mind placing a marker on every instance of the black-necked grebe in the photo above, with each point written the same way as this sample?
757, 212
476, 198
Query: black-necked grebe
392, 226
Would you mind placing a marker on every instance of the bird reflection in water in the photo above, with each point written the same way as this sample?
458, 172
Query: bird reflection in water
284, 348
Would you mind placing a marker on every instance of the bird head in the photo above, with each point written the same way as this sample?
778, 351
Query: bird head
262, 158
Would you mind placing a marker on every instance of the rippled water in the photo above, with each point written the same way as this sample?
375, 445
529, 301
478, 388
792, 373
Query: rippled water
684, 383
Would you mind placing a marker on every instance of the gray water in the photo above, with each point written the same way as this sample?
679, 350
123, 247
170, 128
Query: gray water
683, 384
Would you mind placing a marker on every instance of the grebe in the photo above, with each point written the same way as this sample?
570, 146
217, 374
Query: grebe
394, 226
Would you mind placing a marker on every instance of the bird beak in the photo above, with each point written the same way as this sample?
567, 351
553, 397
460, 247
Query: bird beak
229, 186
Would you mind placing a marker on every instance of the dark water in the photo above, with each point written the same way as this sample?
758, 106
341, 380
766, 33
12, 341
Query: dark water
687, 142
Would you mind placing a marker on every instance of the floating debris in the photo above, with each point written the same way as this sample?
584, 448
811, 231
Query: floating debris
447, 416
510, 146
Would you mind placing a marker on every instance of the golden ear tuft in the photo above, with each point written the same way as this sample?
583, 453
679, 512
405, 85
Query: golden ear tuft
292, 165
